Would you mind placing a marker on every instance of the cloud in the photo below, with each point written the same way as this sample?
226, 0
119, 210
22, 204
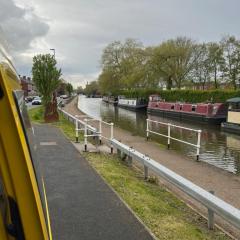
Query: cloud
20, 25
80, 79
80, 29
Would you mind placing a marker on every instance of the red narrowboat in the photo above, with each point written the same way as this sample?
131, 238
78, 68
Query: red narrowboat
213, 113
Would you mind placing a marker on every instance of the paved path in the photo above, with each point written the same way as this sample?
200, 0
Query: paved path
226, 185
81, 205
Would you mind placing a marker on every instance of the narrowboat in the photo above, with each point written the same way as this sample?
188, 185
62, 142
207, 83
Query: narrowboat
233, 116
212, 113
132, 103
110, 99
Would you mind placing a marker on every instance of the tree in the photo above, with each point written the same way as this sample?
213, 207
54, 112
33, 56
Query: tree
46, 77
61, 90
92, 88
215, 60
201, 69
79, 90
172, 61
122, 65
69, 89
231, 47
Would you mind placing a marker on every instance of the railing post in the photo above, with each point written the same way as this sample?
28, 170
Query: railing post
211, 216
111, 137
100, 132
85, 135
147, 129
76, 125
169, 135
145, 172
198, 143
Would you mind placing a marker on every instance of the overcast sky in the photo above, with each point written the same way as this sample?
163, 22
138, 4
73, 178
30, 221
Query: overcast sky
80, 29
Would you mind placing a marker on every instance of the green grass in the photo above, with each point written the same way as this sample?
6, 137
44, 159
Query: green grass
36, 114
162, 212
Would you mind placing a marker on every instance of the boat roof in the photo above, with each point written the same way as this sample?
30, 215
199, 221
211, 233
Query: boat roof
234, 100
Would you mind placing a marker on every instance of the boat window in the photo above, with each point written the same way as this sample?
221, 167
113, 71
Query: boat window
234, 106
193, 108
180, 107
172, 107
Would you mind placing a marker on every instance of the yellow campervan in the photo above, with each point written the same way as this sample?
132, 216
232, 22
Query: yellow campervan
23, 206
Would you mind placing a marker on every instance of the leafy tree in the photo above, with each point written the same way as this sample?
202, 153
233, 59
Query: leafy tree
46, 77
92, 88
121, 63
69, 89
61, 90
231, 48
216, 60
201, 72
79, 90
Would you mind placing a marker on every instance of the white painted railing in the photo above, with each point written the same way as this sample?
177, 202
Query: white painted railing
211, 202
85, 126
169, 137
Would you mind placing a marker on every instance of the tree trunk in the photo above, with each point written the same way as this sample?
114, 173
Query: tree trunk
215, 78
234, 82
51, 113
169, 83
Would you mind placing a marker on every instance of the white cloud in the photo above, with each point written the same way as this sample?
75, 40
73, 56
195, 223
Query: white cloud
81, 79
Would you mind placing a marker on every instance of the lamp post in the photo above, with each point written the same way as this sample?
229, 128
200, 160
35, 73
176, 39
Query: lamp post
53, 49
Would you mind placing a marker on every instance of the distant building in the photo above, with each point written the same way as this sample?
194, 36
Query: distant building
27, 86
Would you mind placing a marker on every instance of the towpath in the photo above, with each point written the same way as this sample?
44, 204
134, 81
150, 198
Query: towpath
225, 185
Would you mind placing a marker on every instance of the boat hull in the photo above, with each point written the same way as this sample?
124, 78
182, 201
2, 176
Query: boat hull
230, 127
187, 116
133, 107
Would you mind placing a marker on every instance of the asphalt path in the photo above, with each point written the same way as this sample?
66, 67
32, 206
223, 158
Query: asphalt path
81, 204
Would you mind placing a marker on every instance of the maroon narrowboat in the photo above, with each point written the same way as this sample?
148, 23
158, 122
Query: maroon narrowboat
213, 113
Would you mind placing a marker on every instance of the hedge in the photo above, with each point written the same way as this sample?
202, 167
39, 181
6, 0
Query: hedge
192, 96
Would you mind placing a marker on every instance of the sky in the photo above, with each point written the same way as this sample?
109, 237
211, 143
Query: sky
79, 30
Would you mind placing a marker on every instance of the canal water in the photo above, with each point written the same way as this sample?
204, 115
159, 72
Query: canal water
217, 148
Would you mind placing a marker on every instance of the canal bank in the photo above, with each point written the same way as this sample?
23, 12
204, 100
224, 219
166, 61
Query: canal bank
224, 184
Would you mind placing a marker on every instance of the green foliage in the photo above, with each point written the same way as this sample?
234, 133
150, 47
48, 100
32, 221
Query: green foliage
192, 96
175, 63
45, 76
92, 88
69, 89
36, 114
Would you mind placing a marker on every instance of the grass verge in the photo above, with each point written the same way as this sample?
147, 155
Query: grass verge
162, 212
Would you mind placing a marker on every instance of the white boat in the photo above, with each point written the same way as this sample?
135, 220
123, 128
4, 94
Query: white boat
132, 103
233, 117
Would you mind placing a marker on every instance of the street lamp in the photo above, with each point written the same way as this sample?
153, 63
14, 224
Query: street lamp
53, 49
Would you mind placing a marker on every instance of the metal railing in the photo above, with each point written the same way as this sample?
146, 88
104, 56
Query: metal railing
86, 127
169, 137
214, 204
211, 202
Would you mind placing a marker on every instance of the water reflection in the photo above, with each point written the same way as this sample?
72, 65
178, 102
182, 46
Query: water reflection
217, 148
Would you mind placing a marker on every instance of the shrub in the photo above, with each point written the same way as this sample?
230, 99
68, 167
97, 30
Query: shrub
192, 96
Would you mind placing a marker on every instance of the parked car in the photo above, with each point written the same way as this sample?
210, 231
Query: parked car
64, 96
37, 101
29, 99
